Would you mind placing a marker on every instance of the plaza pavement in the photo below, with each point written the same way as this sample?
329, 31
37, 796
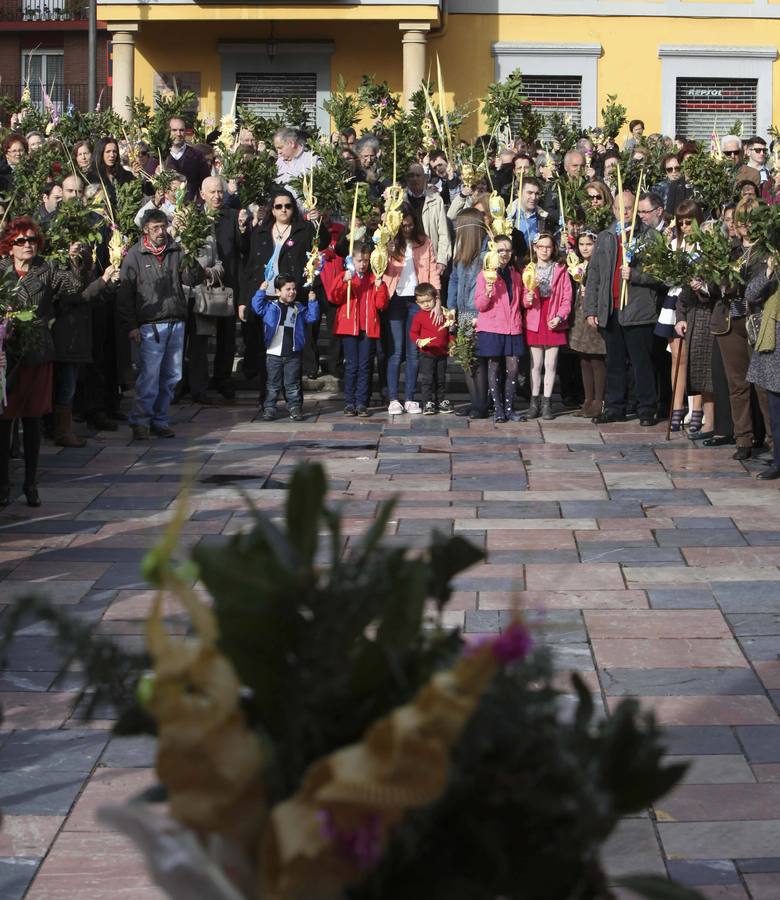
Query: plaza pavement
653, 567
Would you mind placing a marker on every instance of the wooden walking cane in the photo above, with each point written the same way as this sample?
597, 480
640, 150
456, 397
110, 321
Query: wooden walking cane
674, 390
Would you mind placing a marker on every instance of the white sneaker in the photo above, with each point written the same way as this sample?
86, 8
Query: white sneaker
395, 408
412, 408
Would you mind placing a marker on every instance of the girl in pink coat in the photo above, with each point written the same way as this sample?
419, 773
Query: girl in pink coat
546, 309
500, 331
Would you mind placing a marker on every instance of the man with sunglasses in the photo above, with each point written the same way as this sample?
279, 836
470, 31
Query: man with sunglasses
755, 168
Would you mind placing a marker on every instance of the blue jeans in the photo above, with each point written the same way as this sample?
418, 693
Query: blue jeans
358, 363
160, 356
283, 370
65, 375
398, 345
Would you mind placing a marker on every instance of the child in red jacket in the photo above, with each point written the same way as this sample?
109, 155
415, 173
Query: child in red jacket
358, 324
433, 342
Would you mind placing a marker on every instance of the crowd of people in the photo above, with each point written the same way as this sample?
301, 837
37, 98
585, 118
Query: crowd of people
545, 289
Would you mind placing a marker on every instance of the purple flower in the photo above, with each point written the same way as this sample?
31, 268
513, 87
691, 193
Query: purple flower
513, 644
360, 846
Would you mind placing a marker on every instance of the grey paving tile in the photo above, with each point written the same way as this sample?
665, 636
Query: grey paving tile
129, 503
468, 583
699, 537
761, 742
16, 875
419, 464
633, 847
489, 483
701, 872
528, 557
663, 497
52, 751
573, 658
680, 598
679, 682
767, 864
763, 624
52, 526
747, 596
720, 769
601, 509
591, 553
94, 554
34, 654
761, 648
717, 523
720, 840
698, 740
130, 752
26, 681
762, 538
39, 792
479, 621
503, 510
556, 626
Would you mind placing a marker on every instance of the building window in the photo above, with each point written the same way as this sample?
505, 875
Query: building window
263, 92
179, 83
557, 77
702, 83
705, 105
554, 94
43, 68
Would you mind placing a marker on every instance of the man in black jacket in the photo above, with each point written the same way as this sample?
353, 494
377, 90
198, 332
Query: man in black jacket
627, 329
152, 310
231, 230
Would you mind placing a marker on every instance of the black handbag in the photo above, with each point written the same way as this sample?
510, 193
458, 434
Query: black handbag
753, 327
216, 300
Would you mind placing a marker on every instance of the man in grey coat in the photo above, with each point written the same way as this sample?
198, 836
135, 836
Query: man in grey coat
627, 332
152, 310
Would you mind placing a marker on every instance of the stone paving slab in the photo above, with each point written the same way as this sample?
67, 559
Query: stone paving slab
651, 568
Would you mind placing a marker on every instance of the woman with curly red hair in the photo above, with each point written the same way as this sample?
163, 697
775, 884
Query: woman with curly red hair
29, 348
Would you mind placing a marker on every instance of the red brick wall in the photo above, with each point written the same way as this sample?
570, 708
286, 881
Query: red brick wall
10, 58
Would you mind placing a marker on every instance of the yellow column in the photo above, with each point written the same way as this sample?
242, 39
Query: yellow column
413, 40
122, 72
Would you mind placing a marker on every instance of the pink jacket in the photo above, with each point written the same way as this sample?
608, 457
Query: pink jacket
424, 266
496, 313
560, 301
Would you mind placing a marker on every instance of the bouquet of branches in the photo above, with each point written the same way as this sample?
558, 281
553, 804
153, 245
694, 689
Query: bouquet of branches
712, 180
73, 223
712, 262
503, 100
344, 108
764, 227
22, 329
671, 266
331, 180
129, 199
254, 173
564, 132
530, 123
613, 117
377, 97
262, 127
465, 352
598, 218
32, 175
193, 225
319, 735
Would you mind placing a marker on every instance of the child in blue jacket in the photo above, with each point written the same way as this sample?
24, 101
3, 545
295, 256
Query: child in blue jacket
284, 333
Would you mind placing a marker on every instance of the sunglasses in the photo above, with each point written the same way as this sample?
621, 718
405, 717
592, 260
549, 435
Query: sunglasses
759, 149
21, 241
672, 168
732, 152
686, 221
282, 205
594, 196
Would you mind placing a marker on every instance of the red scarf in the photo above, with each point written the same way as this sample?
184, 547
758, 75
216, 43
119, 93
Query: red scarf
157, 252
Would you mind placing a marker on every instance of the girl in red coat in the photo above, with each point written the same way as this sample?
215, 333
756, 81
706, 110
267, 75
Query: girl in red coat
358, 324
546, 309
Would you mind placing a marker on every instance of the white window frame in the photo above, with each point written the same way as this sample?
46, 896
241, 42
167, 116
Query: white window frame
580, 60
288, 57
683, 61
44, 52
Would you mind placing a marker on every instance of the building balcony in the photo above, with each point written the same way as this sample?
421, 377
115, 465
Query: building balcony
43, 11
62, 95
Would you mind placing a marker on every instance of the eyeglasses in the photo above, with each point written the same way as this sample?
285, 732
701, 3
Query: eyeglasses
646, 212
21, 241
504, 249
282, 205
732, 152
672, 168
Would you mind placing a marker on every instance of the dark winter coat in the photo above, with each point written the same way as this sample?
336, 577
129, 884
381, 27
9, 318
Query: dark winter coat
292, 256
72, 328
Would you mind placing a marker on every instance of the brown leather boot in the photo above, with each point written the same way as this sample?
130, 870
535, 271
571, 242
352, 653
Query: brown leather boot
63, 429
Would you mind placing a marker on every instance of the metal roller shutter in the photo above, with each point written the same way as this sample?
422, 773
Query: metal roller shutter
263, 92
705, 102
554, 93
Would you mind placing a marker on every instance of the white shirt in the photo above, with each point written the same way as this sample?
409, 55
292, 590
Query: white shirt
287, 169
286, 320
178, 152
407, 281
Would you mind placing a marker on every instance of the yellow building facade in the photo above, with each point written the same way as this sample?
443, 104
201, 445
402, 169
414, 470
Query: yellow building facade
680, 65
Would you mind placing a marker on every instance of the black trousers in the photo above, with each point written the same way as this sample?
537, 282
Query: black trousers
225, 352
431, 377
724, 424
634, 344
